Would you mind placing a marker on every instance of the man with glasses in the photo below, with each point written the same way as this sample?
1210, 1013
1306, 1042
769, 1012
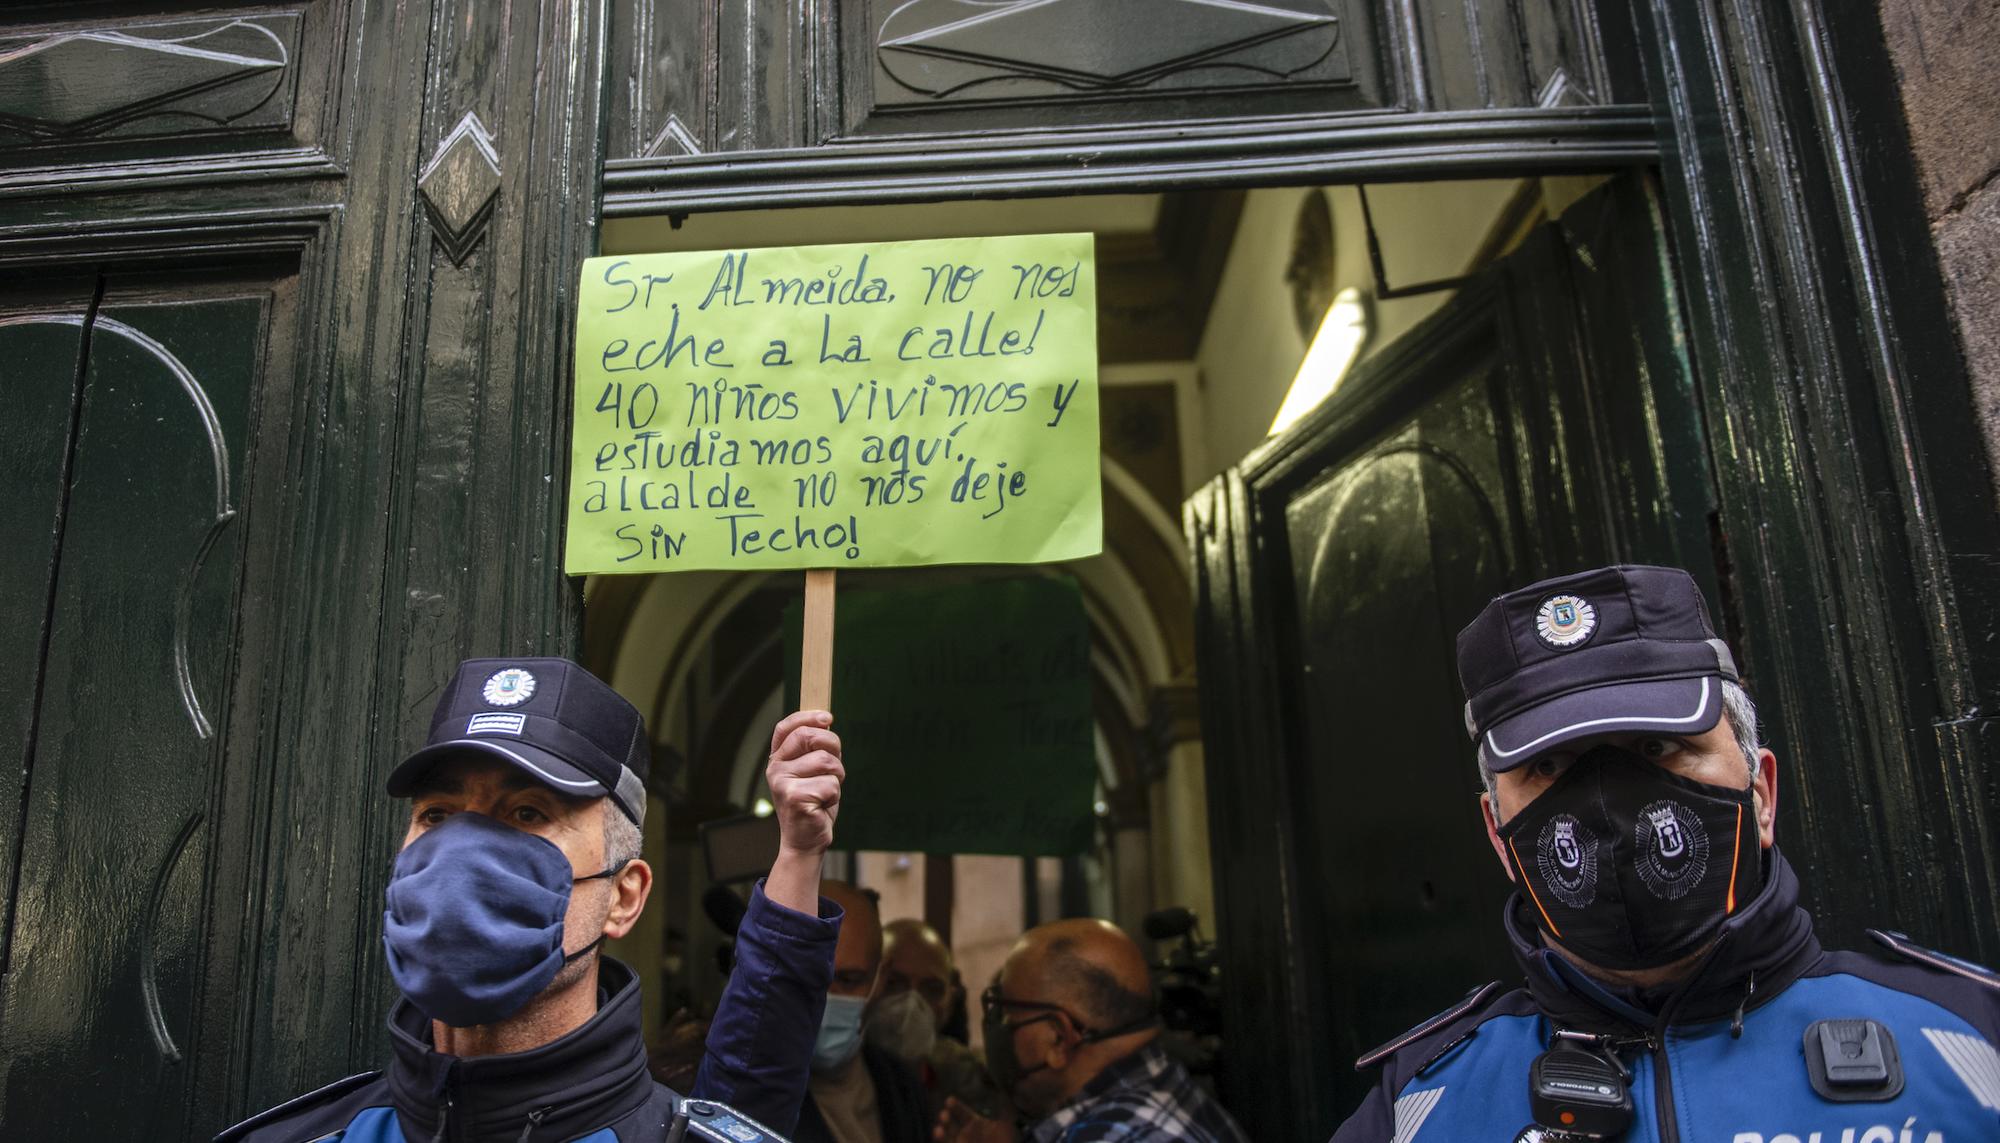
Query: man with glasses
1071, 1033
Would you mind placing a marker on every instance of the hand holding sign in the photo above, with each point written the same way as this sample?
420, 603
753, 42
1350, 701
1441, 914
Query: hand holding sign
805, 774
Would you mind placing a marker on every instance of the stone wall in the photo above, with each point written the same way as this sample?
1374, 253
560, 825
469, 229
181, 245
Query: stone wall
1947, 55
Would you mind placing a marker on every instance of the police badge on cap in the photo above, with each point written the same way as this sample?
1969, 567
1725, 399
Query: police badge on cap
510, 687
1565, 621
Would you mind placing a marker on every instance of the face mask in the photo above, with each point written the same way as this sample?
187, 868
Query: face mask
474, 928
1629, 866
903, 1025
839, 1033
1001, 1062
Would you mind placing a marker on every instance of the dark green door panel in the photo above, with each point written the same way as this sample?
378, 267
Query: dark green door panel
40, 353
1387, 551
112, 908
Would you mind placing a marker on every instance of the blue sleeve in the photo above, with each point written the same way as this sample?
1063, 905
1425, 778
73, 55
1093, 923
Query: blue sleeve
760, 1045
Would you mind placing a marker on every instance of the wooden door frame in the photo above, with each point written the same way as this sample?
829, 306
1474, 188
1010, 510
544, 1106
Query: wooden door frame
1855, 488
1855, 493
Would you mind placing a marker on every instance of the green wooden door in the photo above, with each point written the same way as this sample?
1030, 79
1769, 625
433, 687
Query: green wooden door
281, 324
135, 431
1542, 421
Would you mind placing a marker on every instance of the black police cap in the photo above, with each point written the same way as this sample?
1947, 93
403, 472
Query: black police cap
1614, 650
549, 718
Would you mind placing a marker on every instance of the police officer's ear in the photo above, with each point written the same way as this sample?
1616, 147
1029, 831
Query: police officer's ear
1493, 833
1764, 796
629, 889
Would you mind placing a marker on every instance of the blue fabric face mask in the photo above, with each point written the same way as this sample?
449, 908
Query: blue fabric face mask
474, 928
839, 1033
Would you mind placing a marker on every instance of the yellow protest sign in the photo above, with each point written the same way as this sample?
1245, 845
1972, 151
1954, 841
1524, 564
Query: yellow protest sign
861, 405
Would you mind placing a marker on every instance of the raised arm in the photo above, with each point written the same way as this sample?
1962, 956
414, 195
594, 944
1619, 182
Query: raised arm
760, 1046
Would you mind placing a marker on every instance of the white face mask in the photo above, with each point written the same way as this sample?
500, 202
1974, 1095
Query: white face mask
902, 1025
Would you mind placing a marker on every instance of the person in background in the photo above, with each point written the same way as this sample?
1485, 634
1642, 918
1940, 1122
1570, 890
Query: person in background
1071, 1038
909, 1009
858, 1093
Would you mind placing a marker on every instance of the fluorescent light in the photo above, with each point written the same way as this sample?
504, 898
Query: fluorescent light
1333, 350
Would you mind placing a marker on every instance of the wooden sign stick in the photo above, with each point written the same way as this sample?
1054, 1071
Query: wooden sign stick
816, 655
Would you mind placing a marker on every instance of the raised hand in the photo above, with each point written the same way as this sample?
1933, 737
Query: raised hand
804, 774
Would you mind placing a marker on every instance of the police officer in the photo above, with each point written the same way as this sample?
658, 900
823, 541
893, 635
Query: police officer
1675, 989
520, 860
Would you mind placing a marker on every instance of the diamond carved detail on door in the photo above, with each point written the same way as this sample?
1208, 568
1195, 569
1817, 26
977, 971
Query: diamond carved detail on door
940, 48
459, 185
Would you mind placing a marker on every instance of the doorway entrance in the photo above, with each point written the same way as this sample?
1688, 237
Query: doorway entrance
1430, 389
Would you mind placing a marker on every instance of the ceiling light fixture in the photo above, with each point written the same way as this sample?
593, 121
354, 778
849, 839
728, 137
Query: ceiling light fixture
1334, 349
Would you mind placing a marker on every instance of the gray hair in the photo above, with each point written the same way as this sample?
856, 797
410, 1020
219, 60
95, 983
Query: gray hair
1737, 710
622, 839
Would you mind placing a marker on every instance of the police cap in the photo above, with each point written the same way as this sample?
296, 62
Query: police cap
1618, 649
549, 718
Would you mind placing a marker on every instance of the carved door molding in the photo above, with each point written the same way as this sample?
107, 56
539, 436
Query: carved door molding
894, 100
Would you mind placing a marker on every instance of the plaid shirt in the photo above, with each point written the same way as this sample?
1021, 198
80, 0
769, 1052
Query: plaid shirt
1140, 1099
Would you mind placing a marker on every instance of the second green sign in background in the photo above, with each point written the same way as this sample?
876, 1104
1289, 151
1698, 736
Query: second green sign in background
965, 717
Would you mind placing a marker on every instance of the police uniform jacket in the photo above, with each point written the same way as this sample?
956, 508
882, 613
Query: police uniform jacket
592, 1085
1724, 1055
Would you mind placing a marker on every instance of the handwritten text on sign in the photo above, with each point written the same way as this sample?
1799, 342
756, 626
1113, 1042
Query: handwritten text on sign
825, 406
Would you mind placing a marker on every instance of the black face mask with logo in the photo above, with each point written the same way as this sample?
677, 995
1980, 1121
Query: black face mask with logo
1629, 866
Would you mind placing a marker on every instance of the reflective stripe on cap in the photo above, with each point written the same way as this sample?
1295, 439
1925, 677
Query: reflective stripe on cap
1494, 748
591, 784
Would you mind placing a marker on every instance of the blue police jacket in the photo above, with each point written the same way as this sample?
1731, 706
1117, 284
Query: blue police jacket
592, 1085
1722, 1057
